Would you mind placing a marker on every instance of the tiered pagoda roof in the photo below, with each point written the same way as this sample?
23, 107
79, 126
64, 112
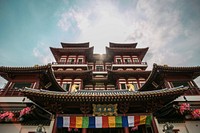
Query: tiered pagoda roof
72, 49
159, 72
125, 49
73, 45
45, 72
122, 45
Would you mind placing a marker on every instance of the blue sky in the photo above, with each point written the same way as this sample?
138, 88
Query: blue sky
171, 29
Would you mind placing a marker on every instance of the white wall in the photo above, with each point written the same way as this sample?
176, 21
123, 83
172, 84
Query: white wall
180, 126
10, 128
187, 127
193, 126
18, 128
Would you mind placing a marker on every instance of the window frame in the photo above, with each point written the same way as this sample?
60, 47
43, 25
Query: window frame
118, 60
63, 60
65, 83
121, 87
136, 60
99, 66
78, 60
127, 60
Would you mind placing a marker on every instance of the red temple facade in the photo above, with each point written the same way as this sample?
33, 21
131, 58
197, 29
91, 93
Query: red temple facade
96, 93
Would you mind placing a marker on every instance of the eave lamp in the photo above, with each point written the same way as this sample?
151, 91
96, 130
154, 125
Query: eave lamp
40, 129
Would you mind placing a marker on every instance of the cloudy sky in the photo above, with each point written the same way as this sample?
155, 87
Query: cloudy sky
170, 28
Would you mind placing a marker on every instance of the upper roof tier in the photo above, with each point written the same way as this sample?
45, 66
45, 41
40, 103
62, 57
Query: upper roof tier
122, 45
140, 52
72, 49
111, 51
72, 45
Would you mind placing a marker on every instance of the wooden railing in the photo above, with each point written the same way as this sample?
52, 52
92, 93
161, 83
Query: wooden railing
56, 63
137, 63
10, 92
193, 91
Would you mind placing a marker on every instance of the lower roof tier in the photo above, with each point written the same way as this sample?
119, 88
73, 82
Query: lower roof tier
166, 95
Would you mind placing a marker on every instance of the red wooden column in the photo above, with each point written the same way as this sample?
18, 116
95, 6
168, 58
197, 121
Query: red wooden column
154, 125
55, 125
126, 130
84, 130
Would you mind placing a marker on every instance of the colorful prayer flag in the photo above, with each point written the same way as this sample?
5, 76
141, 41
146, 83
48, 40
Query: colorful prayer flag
118, 121
131, 121
66, 121
102, 121
98, 122
78, 122
111, 121
85, 123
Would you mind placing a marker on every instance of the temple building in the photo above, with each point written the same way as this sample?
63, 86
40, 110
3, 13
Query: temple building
83, 92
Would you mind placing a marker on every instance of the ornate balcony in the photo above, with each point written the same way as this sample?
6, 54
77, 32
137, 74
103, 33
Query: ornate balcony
130, 64
56, 63
133, 63
79, 64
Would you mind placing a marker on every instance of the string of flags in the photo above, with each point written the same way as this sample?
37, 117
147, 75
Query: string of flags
102, 121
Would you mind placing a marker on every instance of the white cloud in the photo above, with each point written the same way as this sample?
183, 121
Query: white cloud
42, 52
2, 82
63, 23
155, 24
151, 24
197, 81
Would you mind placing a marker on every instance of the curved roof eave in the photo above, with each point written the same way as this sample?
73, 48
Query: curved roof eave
5, 70
35, 68
116, 44
46, 69
102, 96
72, 44
53, 79
158, 69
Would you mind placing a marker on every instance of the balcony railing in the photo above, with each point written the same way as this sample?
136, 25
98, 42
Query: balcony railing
137, 63
10, 92
62, 63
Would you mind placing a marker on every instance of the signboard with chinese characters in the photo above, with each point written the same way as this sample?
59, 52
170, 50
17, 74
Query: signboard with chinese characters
104, 109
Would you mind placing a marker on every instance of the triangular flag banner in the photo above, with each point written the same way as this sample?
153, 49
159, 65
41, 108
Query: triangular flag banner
102, 121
